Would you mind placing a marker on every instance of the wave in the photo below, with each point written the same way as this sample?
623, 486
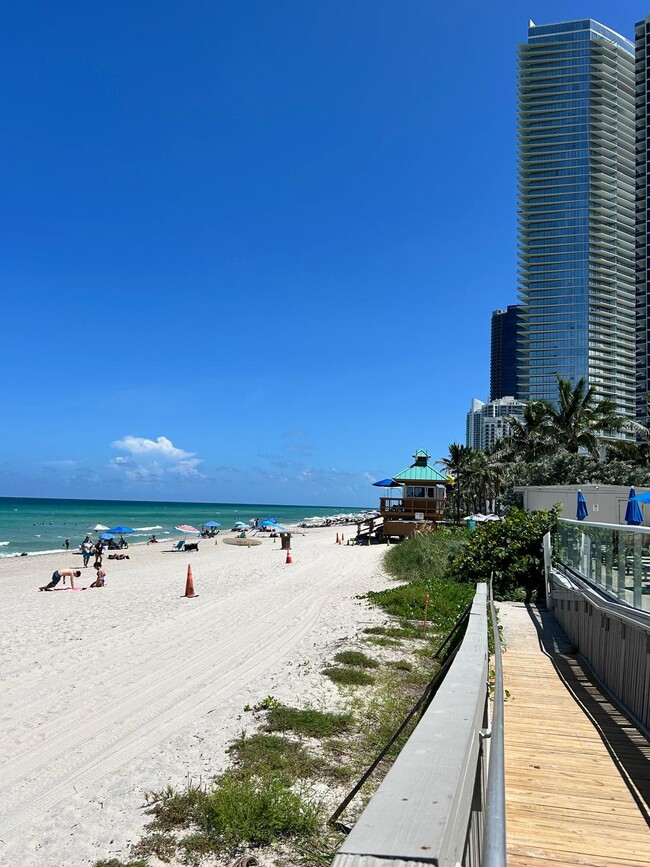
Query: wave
30, 553
5, 543
149, 529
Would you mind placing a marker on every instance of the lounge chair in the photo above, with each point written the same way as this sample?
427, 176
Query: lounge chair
179, 545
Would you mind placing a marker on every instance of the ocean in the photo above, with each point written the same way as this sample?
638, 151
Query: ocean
34, 526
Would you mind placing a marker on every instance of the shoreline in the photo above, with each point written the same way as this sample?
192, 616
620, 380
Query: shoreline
130, 688
23, 538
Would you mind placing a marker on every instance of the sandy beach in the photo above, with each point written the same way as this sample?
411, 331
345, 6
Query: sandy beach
108, 693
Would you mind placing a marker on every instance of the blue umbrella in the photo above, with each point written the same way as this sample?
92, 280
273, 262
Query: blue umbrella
633, 513
386, 483
212, 524
270, 522
582, 511
643, 498
121, 530
106, 536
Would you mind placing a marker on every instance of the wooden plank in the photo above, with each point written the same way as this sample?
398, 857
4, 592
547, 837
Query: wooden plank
567, 801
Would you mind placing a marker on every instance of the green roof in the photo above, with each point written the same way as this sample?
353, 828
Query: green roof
420, 471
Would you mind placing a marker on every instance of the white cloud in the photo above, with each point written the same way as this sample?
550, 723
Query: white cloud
161, 447
150, 460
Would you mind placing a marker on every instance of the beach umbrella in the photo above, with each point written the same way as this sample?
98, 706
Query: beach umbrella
581, 508
106, 536
98, 527
186, 528
643, 498
241, 525
386, 483
212, 524
633, 513
269, 522
121, 530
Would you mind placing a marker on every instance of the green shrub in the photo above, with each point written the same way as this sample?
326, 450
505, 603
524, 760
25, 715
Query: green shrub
307, 721
162, 844
173, 809
349, 676
512, 550
256, 811
355, 658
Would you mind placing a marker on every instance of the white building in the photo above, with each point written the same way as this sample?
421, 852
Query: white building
488, 422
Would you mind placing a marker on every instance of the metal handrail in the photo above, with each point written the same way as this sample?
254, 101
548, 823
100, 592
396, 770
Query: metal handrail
623, 528
494, 836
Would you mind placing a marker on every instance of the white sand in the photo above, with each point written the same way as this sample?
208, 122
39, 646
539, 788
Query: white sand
108, 693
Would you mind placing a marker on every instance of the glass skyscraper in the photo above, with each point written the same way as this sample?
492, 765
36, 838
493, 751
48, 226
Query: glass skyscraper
504, 342
642, 38
576, 211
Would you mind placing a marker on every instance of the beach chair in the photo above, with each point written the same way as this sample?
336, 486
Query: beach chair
179, 545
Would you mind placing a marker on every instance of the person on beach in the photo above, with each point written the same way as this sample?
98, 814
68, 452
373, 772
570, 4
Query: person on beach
67, 544
99, 550
100, 580
62, 575
86, 549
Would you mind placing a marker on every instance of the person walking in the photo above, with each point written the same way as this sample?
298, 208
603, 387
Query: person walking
61, 575
67, 544
86, 549
99, 550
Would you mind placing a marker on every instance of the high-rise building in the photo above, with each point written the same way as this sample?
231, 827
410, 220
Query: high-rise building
503, 352
642, 66
576, 211
488, 422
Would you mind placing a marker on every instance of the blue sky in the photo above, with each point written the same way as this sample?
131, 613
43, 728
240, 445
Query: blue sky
249, 250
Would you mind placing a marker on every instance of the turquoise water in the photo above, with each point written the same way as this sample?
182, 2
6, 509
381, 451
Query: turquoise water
39, 525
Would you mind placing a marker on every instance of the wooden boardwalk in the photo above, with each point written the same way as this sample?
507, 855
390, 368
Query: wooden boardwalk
577, 772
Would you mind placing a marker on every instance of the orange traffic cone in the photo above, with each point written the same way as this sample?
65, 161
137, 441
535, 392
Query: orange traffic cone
189, 584
289, 560
337, 538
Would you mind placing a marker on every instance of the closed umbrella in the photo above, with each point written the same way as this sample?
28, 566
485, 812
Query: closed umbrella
633, 513
581, 511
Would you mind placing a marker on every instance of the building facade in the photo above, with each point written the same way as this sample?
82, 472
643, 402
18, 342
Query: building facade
503, 352
487, 423
576, 211
642, 70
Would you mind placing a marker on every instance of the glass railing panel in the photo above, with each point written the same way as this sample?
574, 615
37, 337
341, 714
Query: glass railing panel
615, 558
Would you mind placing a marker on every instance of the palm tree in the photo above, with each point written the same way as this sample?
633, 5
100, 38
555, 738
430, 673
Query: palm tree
456, 464
579, 420
530, 436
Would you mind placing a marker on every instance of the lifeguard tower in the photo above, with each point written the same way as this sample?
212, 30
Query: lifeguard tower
421, 502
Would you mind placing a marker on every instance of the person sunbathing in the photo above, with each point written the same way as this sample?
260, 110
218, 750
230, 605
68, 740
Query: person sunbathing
100, 580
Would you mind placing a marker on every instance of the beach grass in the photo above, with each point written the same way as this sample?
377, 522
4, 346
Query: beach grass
349, 676
355, 658
266, 753
309, 722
